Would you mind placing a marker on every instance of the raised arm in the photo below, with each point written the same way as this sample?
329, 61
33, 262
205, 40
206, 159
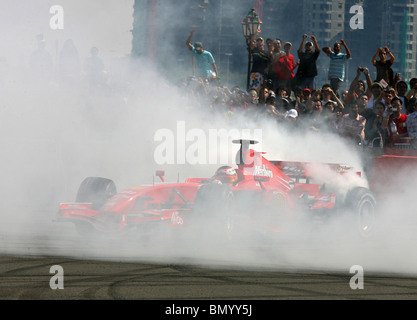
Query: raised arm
376, 55
334, 96
369, 82
392, 58
327, 50
252, 41
316, 45
348, 55
354, 81
300, 49
188, 42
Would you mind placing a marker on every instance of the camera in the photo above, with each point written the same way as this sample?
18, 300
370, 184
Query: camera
361, 69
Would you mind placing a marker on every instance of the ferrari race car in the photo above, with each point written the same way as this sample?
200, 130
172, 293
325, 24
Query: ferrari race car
258, 194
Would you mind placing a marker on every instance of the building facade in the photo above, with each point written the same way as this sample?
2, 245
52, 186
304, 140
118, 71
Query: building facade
163, 26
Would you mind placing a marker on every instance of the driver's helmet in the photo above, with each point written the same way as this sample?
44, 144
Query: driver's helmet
226, 175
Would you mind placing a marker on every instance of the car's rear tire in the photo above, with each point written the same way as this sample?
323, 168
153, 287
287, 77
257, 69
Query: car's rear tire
95, 190
212, 215
360, 206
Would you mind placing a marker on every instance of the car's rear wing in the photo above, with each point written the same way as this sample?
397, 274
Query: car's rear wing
297, 170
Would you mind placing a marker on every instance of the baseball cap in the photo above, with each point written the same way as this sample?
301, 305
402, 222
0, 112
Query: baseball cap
309, 43
198, 45
291, 113
377, 85
260, 39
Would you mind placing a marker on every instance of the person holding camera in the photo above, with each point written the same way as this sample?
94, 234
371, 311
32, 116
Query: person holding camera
358, 87
307, 68
383, 66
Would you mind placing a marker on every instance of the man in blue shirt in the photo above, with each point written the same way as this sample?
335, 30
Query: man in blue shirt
337, 66
205, 65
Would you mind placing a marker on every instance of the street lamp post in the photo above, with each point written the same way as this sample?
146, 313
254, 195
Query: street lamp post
250, 26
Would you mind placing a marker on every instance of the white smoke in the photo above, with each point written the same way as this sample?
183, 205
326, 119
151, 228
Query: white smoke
55, 135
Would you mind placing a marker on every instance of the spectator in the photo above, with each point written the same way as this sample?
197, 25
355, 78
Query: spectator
376, 90
343, 96
41, 61
383, 66
282, 105
269, 112
277, 53
397, 122
336, 119
328, 112
375, 127
357, 87
291, 117
260, 63
94, 67
328, 95
205, 66
253, 97
352, 125
301, 97
386, 96
411, 121
307, 69
306, 95
401, 92
412, 93
270, 45
314, 120
337, 65
263, 95
284, 69
362, 102
69, 63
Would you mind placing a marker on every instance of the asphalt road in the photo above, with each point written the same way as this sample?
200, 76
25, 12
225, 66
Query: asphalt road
28, 278
126, 269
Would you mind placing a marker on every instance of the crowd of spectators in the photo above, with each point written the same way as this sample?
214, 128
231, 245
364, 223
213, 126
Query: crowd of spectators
373, 112
282, 88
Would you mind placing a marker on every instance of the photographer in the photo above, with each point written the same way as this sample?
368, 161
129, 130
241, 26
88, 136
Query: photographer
357, 87
383, 66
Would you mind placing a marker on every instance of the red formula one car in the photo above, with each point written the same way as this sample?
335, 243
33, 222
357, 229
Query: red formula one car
258, 194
